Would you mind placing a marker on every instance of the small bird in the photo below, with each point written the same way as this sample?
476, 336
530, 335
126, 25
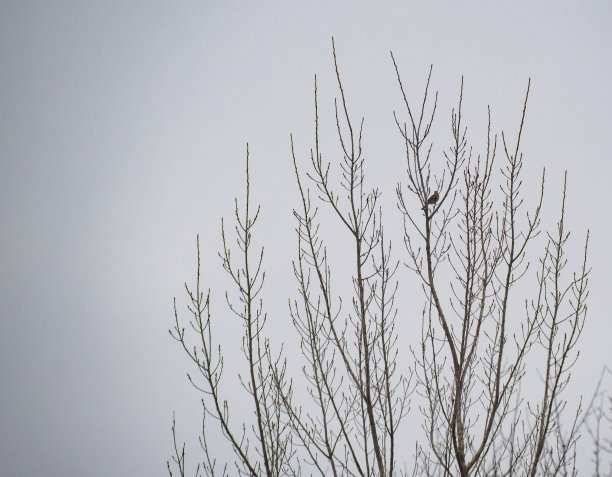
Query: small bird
433, 198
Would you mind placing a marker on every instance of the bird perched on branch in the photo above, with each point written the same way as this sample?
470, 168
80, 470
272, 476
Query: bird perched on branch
433, 198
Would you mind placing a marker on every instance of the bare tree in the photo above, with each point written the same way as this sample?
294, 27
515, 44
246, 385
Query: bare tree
474, 344
352, 371
265, 446
467, 238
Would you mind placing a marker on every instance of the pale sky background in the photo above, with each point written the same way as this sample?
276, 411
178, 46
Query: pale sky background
122, 135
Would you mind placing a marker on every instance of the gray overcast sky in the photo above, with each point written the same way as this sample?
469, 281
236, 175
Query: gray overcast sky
122, 134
